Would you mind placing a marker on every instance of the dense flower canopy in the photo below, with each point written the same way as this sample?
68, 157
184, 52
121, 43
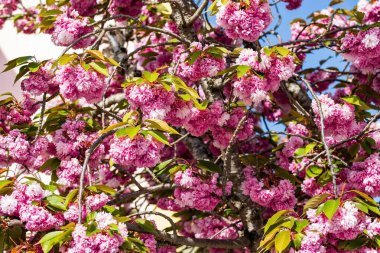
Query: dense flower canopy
162, 129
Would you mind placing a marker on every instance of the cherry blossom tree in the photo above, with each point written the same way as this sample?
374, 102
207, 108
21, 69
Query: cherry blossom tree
197, 113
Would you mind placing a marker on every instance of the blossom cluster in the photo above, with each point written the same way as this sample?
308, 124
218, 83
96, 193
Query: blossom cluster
98, 242
302, 31
193, 192
362, 49
41, 81
371, 10
15, 148
21, 203
292, 4
69, 29
206, 65
137, 152
339, 119
365, 175
347, 223
273, 68
280, 197
211, 158
75, 82
244, 21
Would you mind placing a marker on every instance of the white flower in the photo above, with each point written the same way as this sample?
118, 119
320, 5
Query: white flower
35, 190
258, 97
370, 41
213, 70
104, 219
265, 62
183, 112
223, 119
123, 231
65, 37
348, 219
8, 204
158, 114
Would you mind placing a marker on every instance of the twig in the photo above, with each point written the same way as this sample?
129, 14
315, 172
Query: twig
328, 154
179, 139
41, 116
88, 154
172, 224
109, 113
228, 153
124, 198
182, 240
197, 13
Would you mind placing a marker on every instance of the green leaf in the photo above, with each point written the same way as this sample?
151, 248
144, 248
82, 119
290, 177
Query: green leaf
131, 131
208, 166
200, 106
282, 241
179, 84
160, 125
280, 172
267, 243
256, 160
70, 196
164, 8
275, 217
34, 66
193, 57
52, 164
17, 62
325, 178
297, 240
301, 225
105, 189
22, 72
159, 136
241, 70
92, 229
56, 203
365, 196
313, 171
280, 51
146, 225
100, 67
288, 224
368, 144
330, 207
214, 8
305, 150
128, 115
50, 2
160, 168
334, 2
53, 12
65, 59
362, 207
4, 183
49, 240
177, 168
150, 77
315, 201
216, 52
134, 245
96, 54
355, 100
6, 101
112, 127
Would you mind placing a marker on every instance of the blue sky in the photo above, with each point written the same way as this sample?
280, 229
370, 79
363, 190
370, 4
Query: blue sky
312, 60
309, 6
